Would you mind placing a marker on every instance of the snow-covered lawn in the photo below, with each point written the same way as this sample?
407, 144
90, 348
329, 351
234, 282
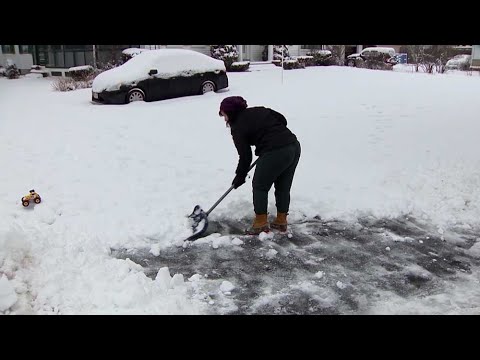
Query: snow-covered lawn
385, 144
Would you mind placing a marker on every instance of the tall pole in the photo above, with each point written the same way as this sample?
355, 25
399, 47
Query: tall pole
94, 57
282, 62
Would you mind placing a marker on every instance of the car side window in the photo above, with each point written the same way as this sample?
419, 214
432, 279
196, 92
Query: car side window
366, 53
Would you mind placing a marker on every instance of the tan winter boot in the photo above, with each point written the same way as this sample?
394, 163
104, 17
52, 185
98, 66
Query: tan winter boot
260, 224
280, 223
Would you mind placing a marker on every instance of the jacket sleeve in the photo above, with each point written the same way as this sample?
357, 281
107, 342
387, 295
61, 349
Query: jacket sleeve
244, 152
279, 117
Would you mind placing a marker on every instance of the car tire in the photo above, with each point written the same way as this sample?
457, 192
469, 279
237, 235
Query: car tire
207, 86
351, 63
135, 95
38, 200
25, 203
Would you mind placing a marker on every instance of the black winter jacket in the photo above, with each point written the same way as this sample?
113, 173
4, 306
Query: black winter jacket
264, 128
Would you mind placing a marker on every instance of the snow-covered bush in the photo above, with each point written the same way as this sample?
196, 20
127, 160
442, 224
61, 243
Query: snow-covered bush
227, 53
69, 84
81, 73
322, 58
306, 60
277, 52
11, 71
240, 66
291, 64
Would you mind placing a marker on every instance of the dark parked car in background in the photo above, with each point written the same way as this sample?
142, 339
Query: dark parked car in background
372, 54
160, 74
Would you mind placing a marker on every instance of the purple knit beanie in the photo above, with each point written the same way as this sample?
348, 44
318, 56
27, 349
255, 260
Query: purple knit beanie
232, 104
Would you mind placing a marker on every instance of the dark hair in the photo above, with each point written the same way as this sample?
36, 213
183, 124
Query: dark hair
232, 104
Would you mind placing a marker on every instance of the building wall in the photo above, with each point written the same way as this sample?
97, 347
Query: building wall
23, 62
476, 56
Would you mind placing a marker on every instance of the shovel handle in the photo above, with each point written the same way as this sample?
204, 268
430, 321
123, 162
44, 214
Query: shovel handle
228, 191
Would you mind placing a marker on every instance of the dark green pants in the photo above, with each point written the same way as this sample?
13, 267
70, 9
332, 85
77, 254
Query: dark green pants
275, 167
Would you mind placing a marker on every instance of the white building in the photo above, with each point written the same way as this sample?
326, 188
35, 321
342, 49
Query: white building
475, 57
21, 55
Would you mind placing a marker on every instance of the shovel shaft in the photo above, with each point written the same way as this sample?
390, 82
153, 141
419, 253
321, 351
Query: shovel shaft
219, 200
227, 192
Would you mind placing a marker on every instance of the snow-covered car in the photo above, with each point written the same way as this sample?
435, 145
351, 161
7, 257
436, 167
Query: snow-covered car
459, 62
160, 74
385, 53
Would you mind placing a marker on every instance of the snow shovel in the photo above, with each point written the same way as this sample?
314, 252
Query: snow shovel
200, 217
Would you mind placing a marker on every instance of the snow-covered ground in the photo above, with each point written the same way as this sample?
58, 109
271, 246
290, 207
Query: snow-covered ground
374, 143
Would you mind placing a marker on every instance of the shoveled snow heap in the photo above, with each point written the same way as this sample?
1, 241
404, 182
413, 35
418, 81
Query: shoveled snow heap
168, 63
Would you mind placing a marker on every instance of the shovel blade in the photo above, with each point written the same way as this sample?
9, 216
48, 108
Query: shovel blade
200, 223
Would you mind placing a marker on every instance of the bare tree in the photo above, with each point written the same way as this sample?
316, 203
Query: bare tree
341, 51
429, 57
338, 53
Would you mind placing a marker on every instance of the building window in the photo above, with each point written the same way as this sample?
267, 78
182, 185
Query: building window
26, 49
8, 49
69, 59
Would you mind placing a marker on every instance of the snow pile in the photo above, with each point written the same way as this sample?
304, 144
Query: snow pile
8, 297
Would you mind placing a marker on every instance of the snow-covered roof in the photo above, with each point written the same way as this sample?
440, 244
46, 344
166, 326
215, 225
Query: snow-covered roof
386, 50
241, 63
168, 63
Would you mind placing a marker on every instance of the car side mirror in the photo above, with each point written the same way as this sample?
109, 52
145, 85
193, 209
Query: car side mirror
153, 72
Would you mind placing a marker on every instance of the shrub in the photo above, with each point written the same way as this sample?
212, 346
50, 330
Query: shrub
306, 60
291, 64
227, 53
69, 84
322, 58
277, 62
81, 73
11, 71
373, 63
239, 66
277, 52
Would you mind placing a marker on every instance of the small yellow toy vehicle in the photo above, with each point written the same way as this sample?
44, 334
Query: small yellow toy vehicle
31, 196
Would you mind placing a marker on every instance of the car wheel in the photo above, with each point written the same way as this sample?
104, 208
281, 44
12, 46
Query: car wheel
38, 200
351, 63
25, 203
135, 95
207, 86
